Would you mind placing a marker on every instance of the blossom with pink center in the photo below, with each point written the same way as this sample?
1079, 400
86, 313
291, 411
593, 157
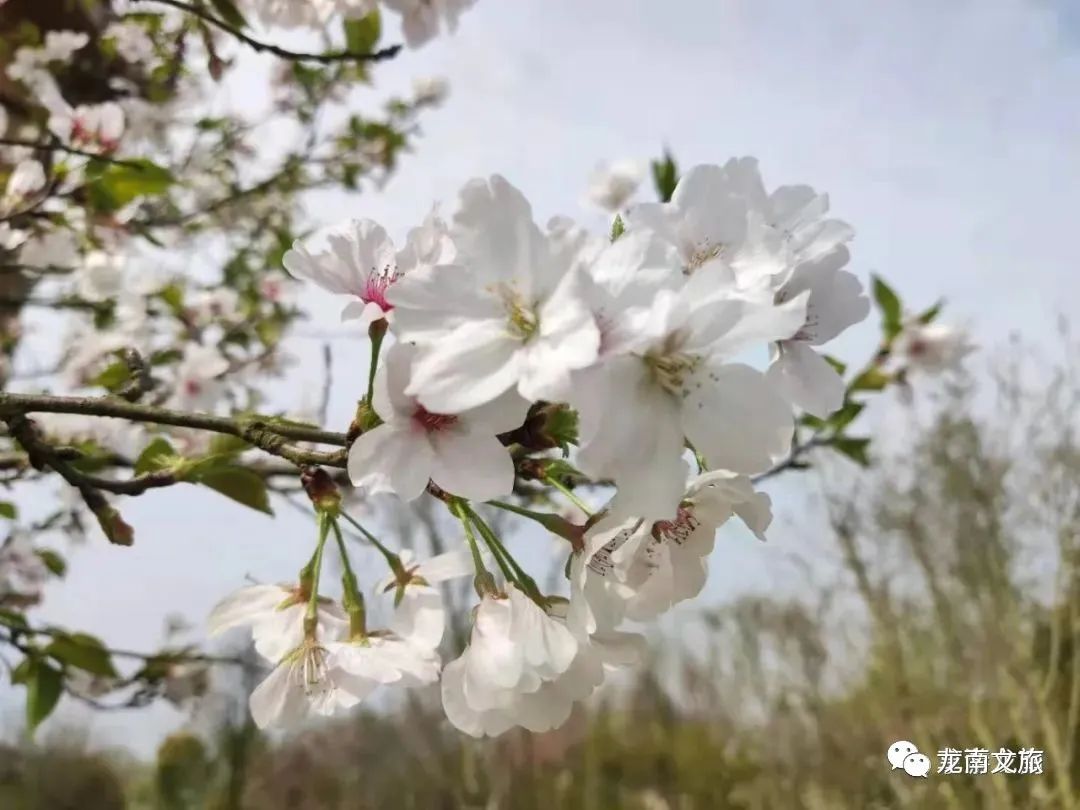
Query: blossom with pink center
358, 259
636, 569
95, 127
198, 383
931, 347
459, 452
507, 314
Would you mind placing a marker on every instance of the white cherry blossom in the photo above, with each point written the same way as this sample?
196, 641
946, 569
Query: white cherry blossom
26, 179
516, 649
637, 569
131, 41
459, 452
359, 666
419, 614
430, 89
668, 382
724, 213
300, 685
101, 276
275, 614
97, 127
358, 259
421, 20
611, 185
198, 385
508, 313
931, 348
836, 302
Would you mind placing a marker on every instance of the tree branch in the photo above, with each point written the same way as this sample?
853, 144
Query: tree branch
794, 460
326, 57
268, 434
58, 146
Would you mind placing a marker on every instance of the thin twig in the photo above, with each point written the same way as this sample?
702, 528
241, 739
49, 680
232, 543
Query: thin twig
326, 57
58, 146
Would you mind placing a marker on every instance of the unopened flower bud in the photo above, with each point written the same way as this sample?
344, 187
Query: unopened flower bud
116, 529
322, 490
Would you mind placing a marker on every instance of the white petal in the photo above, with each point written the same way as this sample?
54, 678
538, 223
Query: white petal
736, 419
277, 701
502, 414
391, 379
431, 301
548, 645
630, 431
449, 565
568, 339
495, 236
494, 657
340, 259
278, 633
756, 513
393, 457
618, 649
245, 606
807, 379
457, 709
364, 312
421, 617
471, 365
472, 464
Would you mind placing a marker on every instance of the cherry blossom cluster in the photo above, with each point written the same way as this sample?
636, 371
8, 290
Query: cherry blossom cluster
421, 20
484, 319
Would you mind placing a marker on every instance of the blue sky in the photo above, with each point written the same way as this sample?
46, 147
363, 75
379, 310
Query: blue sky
946, 133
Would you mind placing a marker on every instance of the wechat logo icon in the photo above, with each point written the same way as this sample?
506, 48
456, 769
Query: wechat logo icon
905, 756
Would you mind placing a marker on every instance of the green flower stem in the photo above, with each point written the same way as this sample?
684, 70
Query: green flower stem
353, 600
484, 581
556, 524
569, 493
377, 331
392, 559
311, 617
503, 555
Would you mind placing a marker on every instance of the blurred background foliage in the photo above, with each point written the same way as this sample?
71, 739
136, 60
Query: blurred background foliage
951, 620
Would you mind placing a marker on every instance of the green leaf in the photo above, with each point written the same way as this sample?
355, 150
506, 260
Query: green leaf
8, 510
123, 182
855, 449
21, 673
53, 561
363, 34
839, 365
229, 13
238, 483
173, 296
846, 415
222, 444
928, 315
165, 357
157, 455
618, 228
82, 651
44, 685
892, 311
12, 619
113, 376
665, 176
873, 379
